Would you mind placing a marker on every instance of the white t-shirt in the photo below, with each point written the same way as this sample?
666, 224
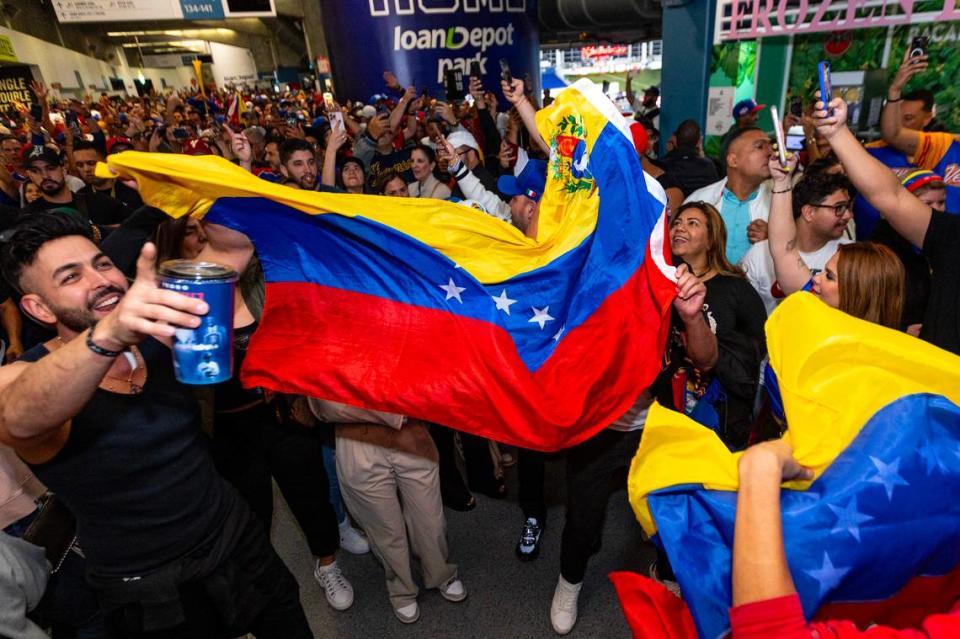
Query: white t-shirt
758, 263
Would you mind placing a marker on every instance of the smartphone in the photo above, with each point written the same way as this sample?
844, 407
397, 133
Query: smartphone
795, 141
328, 101
336, 120
796, 107
826, 88
505, 74
291, 122
454, 84
606, 87
474, 71
778, 131
181, 133
918, 46
36, 111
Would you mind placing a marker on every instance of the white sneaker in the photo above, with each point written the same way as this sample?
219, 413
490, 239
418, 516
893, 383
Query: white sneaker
335, 586
352, 540
563, 610
453, 590
409, 613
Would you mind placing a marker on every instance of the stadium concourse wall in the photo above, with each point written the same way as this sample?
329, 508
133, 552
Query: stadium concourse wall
76, 72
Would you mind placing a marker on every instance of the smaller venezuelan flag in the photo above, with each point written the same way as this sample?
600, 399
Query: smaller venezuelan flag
874, 537
438, 311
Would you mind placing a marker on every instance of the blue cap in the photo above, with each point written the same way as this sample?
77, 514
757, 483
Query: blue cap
531, 181
744, 107
318, 121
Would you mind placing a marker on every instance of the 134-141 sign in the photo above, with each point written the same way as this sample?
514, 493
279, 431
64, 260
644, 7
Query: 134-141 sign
202, 9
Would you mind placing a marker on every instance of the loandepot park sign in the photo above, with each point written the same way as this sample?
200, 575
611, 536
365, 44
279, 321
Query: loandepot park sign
420, 40
749, 19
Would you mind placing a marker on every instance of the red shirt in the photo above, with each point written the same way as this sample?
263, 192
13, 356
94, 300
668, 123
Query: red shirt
783, 618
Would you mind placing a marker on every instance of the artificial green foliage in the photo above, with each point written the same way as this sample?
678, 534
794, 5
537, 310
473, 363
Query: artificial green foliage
865, 52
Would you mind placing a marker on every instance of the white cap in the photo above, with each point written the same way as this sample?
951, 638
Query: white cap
463, 138
368, 111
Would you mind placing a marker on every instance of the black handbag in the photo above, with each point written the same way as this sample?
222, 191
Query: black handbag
54, 529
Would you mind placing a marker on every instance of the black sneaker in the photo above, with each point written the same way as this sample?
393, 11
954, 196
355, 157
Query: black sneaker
529, 545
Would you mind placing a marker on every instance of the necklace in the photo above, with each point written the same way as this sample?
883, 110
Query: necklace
134, 381
136, 366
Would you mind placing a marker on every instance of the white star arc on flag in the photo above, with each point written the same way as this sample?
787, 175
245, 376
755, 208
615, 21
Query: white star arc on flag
541, 316
503, 302
453, 291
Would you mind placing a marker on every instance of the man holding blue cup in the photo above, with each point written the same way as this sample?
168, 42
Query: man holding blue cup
97, 413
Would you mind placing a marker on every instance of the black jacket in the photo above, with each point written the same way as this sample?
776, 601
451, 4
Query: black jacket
690, 170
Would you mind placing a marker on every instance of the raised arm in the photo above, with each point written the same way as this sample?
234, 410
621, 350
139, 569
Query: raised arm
328, 175
699, 341
760, 569
526, 110
906, 140
37, 399
401, 109
631, 96
907, 215
792, 273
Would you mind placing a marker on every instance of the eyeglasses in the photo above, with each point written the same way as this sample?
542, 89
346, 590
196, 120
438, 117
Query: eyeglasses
838, 209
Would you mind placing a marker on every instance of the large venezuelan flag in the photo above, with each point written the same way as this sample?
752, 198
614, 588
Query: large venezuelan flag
876, 535
438, 311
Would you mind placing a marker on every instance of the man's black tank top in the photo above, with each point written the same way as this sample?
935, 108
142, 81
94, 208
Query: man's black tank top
136, 473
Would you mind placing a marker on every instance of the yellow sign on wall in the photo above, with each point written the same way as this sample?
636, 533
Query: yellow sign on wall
7, 54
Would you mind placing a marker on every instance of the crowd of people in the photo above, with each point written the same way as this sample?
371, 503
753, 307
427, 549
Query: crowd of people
177, 544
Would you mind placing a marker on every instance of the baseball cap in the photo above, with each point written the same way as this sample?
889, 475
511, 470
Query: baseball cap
118, 141
530, 182
463, 138
354, 160
33, 152
196, 147
368, 111
916, 179
744, 107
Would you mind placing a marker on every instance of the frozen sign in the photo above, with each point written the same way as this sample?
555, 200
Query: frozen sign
748, 19
420, 40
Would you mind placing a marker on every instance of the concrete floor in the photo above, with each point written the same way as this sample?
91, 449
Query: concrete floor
507, 598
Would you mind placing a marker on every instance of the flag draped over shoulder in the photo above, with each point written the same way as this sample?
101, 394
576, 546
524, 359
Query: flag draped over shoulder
876, 535
438, 311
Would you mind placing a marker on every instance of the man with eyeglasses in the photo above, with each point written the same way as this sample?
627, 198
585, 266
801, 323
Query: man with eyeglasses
821, 211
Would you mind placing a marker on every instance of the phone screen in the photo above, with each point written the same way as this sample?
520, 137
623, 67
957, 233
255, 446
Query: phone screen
794, 142
336, 120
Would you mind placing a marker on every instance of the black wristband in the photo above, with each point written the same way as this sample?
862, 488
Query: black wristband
786, 190
99, 350
897, 100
